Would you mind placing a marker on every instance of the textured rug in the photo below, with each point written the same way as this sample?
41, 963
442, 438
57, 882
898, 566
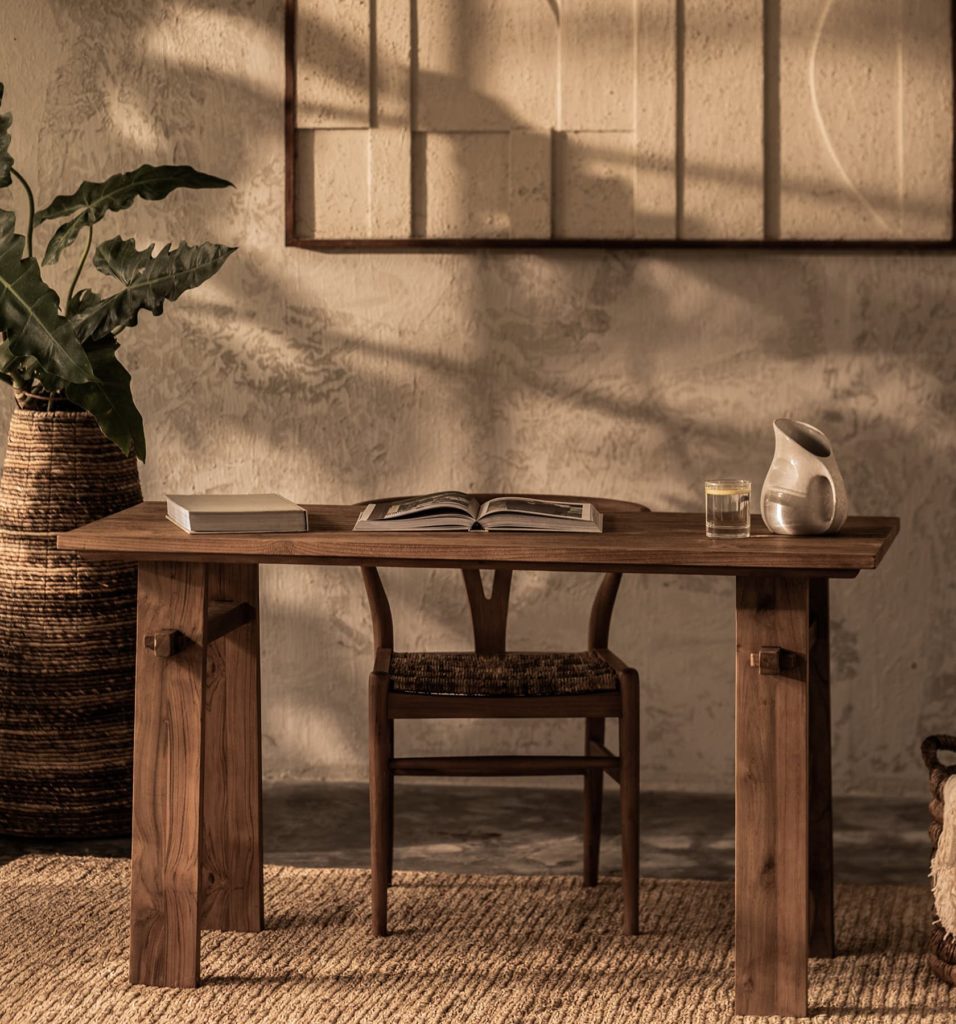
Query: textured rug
481, 949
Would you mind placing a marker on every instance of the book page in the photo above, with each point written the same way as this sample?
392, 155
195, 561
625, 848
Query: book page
426, 504
532, 507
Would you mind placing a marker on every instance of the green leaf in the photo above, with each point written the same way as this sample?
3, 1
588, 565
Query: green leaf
29, 315
93, 200
148, 281
63, 238
110, 399
8, 219
6, 161
82, 302
8, 360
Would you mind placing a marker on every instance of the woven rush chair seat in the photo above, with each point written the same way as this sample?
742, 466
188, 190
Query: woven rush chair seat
515, 674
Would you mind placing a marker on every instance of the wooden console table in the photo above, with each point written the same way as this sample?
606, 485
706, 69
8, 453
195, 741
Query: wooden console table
197, 829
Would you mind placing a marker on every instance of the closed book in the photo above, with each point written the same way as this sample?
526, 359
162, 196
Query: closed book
236, 513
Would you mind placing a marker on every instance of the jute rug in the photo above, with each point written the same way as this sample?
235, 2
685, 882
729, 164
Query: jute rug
481, 949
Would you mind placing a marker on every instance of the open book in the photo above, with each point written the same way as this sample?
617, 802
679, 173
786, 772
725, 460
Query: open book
453, 510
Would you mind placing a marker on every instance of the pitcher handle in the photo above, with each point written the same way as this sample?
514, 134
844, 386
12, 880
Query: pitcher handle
828, 476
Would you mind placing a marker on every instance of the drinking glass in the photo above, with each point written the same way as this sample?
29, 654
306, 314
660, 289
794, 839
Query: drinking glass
727, 505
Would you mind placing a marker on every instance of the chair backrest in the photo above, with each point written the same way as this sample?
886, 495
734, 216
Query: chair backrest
489, 612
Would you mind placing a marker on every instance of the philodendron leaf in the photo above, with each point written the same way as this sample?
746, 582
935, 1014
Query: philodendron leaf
30, 318
6, 161
82, 302
148, 281
7, 221
94, 199
110, 400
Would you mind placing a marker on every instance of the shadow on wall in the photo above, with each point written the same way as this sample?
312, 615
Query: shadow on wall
335, 377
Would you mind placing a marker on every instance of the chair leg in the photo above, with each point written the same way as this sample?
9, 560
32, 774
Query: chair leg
630, 798
391, 806
593, 798
380, 794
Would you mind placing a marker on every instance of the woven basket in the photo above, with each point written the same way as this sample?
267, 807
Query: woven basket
67, 633
942, 947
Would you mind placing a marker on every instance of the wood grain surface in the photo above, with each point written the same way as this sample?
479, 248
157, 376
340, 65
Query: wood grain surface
632, 542
772, 799
167, 779
232, 761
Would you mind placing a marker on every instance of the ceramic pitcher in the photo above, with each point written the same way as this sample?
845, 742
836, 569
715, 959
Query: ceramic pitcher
804, 491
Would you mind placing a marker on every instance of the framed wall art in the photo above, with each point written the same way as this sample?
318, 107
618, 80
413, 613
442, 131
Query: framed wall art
423, 124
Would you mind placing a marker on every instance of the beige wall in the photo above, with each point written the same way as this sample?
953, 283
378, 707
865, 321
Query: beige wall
330, 378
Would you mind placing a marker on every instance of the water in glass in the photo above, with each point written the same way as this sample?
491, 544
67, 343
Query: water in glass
727, 508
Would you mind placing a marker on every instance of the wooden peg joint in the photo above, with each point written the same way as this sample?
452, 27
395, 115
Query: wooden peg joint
167, 643
768, 661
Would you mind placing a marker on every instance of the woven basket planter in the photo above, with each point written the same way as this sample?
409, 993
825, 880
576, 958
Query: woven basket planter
67, 633
942, 947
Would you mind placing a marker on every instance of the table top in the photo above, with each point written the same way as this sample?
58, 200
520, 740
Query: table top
632, 541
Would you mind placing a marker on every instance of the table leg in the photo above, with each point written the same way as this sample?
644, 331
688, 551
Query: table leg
232, 775
821, 799
772, 797
167, 778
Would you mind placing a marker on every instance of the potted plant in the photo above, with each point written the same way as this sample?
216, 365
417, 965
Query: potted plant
67, 627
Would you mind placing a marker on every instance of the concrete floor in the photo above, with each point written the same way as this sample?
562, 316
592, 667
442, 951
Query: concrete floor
534, 830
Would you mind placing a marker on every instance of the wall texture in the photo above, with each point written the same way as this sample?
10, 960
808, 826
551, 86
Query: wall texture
338, 377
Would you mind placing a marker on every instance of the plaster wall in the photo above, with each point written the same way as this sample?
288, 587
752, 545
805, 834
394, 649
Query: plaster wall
336, 378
